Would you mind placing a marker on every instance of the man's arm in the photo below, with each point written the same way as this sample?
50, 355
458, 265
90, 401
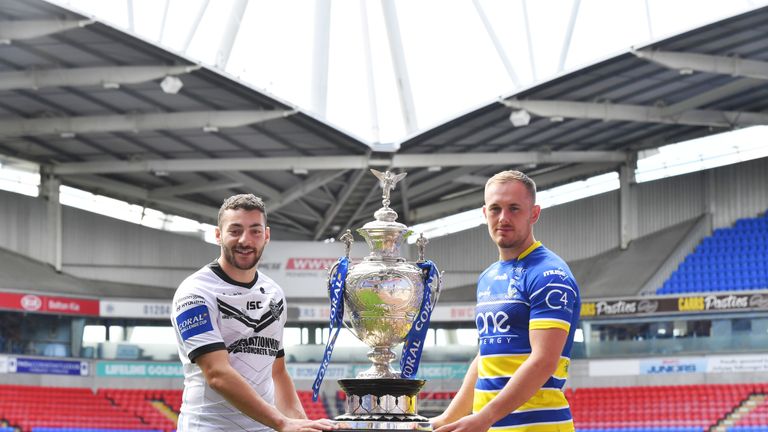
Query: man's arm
226, 381
286, 398
546, 348
461, 405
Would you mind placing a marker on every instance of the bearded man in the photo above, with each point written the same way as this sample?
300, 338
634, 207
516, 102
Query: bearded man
229, 319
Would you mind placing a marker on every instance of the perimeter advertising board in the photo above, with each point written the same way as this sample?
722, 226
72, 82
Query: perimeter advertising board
135, 309
39, 366
301, 268
675, 305
48, 304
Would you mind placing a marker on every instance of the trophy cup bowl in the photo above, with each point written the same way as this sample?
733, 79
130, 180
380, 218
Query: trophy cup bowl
383, 296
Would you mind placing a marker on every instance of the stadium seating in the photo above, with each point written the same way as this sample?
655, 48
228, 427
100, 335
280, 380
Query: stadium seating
66, 429
755, 421
432, 403
685, 408
731, 259
314, 410
158, 409
28, 407
61, 409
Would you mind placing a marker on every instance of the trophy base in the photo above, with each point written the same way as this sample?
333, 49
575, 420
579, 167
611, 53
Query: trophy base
386, 418
382, 404
382, 426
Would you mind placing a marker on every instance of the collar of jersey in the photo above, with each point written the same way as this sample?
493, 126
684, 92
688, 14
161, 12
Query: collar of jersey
218, 271
528, 251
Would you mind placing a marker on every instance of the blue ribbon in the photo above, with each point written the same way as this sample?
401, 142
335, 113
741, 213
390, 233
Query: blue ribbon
336, 285
414, 342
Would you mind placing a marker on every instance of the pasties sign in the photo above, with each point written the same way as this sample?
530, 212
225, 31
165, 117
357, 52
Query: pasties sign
675, 305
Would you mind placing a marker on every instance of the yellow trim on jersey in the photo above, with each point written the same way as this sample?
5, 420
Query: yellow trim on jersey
530, 249
499, 366
566, 426
544, 399
562, 368
506, 365
548, 323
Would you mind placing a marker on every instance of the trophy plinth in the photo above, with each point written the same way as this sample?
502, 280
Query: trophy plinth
381, 399
383, 296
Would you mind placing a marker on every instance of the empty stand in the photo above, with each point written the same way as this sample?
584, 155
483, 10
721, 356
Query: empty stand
433, 403
755, 418
730, 259
314, 410
28, 408
689, 408
67, 429
60, 409
156, 408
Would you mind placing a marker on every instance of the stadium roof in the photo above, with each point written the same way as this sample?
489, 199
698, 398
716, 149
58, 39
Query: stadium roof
706, 81
100, 110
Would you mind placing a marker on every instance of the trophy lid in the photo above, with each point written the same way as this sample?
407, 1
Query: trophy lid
384, 235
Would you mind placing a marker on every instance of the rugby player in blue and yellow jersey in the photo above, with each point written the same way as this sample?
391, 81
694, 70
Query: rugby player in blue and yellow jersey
527, 310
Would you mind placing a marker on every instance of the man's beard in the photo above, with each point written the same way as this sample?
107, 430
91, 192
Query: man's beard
511, 241
229, 255
507, 243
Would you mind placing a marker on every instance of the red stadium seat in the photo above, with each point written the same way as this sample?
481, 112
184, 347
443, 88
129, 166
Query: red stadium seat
699, 406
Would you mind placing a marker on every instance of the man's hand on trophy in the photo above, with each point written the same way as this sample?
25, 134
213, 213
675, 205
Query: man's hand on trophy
470, 423
302, 425
438, 421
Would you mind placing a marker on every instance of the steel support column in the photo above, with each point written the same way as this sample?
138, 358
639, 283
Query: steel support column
49, 191
627, 209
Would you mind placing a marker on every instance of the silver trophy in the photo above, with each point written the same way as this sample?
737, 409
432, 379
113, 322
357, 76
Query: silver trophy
382, 298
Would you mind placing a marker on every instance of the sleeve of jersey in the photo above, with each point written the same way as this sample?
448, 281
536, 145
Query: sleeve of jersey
280, 347
552, 303
195, 322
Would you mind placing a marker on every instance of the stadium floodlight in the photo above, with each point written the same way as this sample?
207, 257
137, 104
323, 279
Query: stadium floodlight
520, 118
171, 84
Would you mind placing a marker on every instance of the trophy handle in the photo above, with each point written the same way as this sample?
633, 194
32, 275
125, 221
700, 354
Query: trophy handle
439, 288
331, 271
346, 323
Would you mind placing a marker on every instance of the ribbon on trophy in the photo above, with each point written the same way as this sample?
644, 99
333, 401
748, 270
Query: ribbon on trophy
336, 285
414, 342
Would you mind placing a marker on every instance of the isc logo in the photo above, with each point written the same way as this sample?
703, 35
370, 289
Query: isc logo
492, 322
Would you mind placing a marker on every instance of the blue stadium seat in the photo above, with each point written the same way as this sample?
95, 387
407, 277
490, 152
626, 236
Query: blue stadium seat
731, 259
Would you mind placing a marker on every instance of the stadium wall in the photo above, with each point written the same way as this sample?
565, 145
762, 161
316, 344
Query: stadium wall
587, 227
102, 248
684, 370
99, 247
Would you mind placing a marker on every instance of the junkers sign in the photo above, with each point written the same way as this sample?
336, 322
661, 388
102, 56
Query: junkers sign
675, 305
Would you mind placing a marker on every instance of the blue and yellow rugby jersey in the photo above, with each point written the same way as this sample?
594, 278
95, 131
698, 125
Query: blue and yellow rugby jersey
535, 291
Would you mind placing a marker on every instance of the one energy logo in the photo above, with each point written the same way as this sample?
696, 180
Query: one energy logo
492, 323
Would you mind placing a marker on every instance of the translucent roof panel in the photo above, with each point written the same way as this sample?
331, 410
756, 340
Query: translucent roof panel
384, 71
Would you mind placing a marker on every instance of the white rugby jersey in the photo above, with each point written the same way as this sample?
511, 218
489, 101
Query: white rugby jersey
211, 312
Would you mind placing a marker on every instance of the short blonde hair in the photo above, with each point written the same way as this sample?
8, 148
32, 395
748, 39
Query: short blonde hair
512, 175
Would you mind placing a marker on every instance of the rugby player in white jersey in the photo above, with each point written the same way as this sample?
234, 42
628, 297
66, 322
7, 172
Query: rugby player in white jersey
229, 320
527, 311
